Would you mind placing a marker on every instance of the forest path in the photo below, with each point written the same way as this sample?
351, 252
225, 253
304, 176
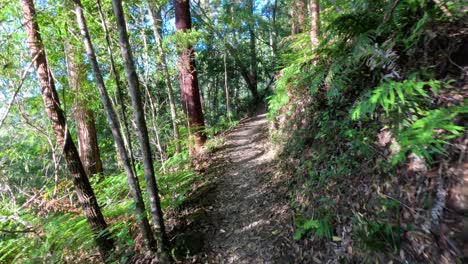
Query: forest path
246, 208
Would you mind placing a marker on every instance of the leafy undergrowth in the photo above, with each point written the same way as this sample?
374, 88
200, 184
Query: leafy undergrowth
47, 226
62, 233
51, 229
371, 125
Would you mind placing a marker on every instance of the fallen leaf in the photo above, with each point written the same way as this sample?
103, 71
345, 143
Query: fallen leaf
336, 238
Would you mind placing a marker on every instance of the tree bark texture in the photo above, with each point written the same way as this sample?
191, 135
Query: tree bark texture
114, 125
188, 77
314, 22
139, 117
119, 97
84, 117
56, 116
155, 12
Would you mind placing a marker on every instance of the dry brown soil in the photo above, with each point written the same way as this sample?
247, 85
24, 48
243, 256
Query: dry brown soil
242, 214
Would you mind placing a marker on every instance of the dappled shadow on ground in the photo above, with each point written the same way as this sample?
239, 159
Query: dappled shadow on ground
241, 213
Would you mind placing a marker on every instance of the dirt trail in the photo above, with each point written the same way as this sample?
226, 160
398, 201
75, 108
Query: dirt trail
246, 218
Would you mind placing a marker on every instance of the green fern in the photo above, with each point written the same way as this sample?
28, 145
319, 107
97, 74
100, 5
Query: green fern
428, 135
321, 228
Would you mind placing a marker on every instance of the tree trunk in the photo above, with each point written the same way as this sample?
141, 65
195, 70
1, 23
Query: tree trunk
56, 116
214, 105
273, 36
139, 117
298, 14
87, 139
188, 77
84, 117
226, 88
155, 12
119, 98
253, 55
314, 22
113, 121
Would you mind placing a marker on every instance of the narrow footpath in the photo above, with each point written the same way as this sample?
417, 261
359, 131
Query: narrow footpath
243, 216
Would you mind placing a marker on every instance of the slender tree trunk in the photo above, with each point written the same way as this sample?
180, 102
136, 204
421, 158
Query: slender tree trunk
157, 142
292, 20
155, 12
236, 95
226, 87
114, 126
214, 106
149, 99
56, 116
138, 111
119, 98
253, 54
188, 77
84, 117
314, 22
202, 100
274, 35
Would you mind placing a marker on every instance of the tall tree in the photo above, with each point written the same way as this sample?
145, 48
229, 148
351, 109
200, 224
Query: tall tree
139, 118
188, 77
298, 16
253, 82
84, 117
114, 126
314, 21
118, 87
155, 11
56, 116
226, 87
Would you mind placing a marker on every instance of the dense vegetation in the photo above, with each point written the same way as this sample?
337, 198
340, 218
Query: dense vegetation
366, 102
379, 111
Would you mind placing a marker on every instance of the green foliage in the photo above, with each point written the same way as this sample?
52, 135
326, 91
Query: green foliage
429, 134
405, 96
418, 129
365, 74
378, 236
184, 39
224, 123
321, 228
62, 237
214, 143
280, 98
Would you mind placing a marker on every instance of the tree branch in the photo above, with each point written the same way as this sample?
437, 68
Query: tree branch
23, 77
